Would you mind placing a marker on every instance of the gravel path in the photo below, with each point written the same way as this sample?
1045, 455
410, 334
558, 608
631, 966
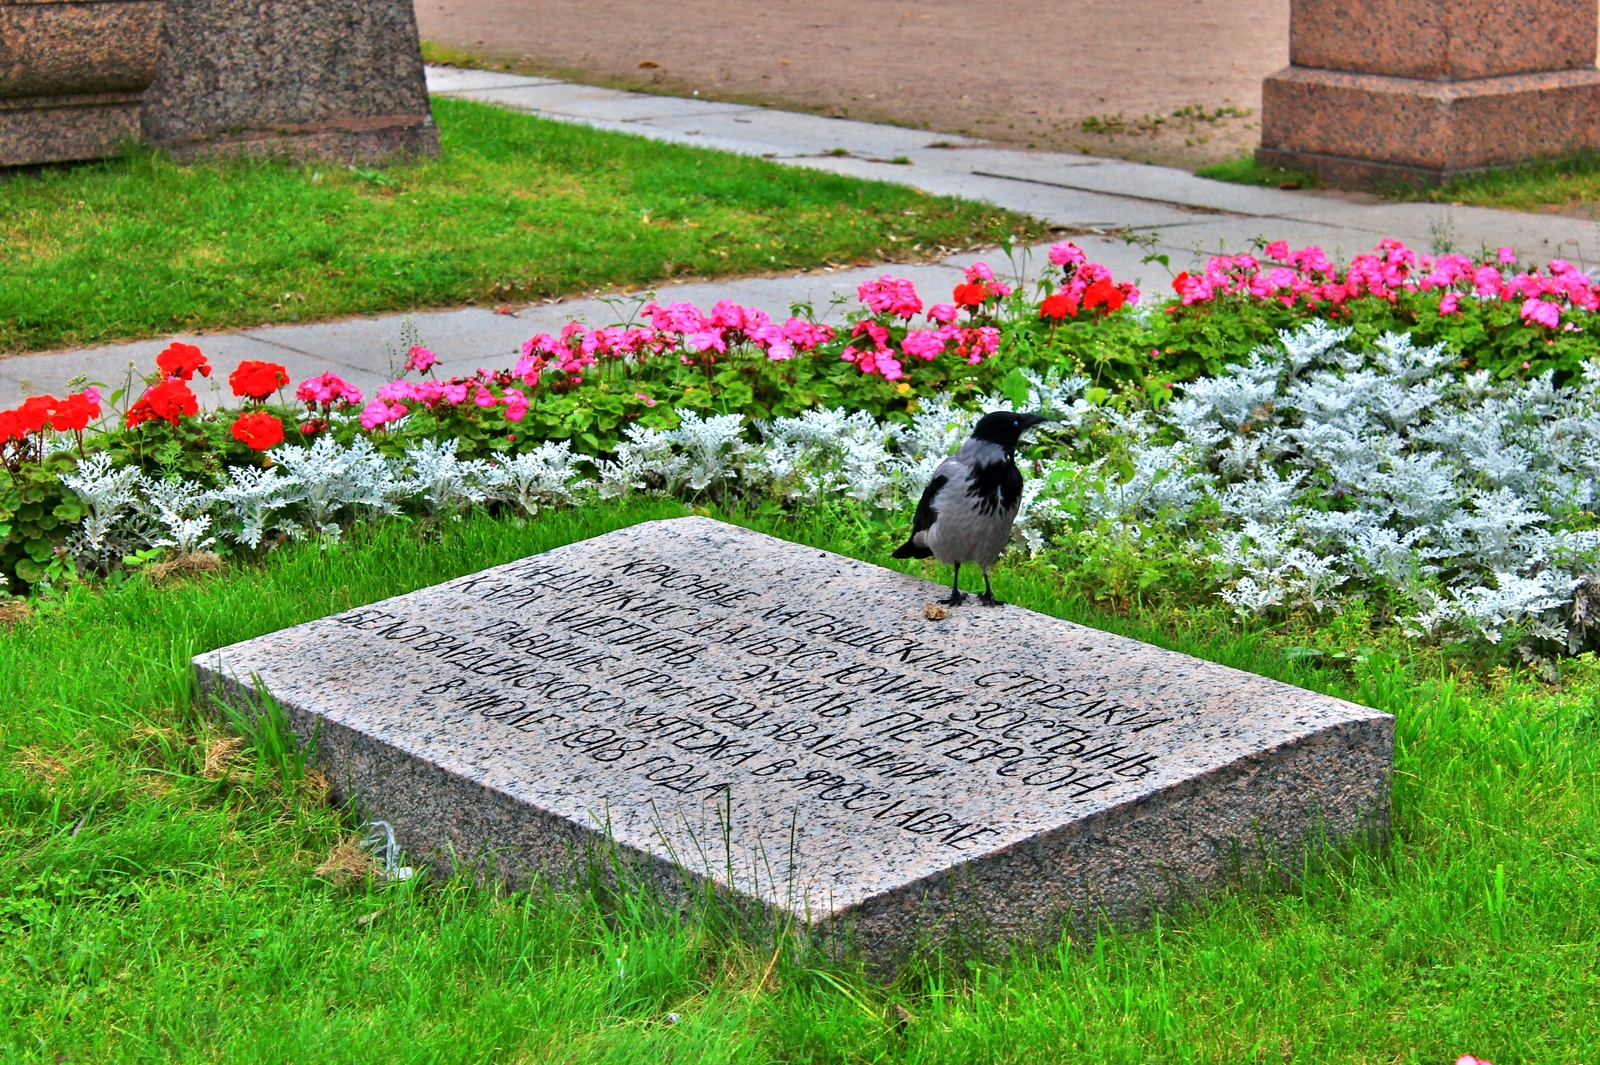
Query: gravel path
1023, 73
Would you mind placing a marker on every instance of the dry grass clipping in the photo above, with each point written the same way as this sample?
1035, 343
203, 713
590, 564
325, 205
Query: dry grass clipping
220, 755
173, 569
346, 862
315, 789
13, 611
39, 766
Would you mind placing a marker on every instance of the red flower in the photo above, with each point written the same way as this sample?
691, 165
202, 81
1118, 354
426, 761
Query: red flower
1058, 306
259, 430
1103, 293
181, 361
971, 295
258, 380
10, 426
34, 413
1179, 281
74, 413
169, 401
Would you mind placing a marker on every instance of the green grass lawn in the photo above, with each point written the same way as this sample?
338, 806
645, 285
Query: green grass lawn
1244, 170
153, 909
516, 208
1570, 185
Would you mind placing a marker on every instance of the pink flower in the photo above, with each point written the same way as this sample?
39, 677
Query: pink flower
1447, 303
379, 413
707, 340
1468, 1059
646, 400
881, 362
979, 272
890, 295
806, 335
1066, 253
878, 334
92, 394
327, 390
516, 404
945, 312
926, 344
1506, 256
977, 344
1279, 250
676, 317
420, 359
1537, 310
726, 314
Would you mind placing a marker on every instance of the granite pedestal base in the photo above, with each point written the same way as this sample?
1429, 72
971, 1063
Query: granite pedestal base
339, 79
714, 708
72, 77
1357, 130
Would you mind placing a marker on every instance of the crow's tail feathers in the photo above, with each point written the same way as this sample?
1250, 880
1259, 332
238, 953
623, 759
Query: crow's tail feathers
911, 549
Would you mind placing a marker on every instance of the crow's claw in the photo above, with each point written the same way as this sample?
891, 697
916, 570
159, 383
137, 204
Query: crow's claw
956, 599
988, 599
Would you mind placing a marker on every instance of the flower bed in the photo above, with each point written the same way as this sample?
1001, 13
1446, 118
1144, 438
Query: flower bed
1444, 485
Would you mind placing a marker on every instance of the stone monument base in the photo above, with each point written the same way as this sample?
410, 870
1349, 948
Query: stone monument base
60, 129
1356, 130
356, 142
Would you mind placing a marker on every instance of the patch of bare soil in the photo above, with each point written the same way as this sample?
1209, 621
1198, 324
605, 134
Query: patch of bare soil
1174, 83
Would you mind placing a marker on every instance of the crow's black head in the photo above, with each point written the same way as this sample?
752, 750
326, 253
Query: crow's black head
1004, 427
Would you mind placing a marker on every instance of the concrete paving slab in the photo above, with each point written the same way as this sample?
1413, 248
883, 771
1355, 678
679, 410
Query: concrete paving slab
585, 101
458, 79
809, 134
110, 367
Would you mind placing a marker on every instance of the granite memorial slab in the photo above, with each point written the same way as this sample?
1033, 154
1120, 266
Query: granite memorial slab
795, 728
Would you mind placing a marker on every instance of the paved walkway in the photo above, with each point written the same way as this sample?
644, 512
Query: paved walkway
1188, 216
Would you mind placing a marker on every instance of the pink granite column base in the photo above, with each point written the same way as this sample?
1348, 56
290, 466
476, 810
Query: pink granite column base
61, 129
1358, 130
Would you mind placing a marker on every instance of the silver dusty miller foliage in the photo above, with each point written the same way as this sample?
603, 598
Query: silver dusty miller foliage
1306, 475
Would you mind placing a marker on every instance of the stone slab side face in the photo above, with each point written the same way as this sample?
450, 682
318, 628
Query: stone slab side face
717, 706
1423, 91
303, 78
71, 75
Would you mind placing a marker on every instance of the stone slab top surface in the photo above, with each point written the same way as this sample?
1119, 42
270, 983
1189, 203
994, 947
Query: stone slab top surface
783, 720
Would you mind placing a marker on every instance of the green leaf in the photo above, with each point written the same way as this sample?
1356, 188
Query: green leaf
1014, 386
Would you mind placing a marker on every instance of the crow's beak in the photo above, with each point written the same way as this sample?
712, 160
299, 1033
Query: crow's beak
1030, 420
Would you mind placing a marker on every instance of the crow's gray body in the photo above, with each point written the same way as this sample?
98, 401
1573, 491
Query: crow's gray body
970, 527
966, 512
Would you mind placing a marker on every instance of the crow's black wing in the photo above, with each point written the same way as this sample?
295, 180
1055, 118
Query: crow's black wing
926, 515
923, 520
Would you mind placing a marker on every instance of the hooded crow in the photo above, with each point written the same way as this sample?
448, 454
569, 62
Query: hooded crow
967, 509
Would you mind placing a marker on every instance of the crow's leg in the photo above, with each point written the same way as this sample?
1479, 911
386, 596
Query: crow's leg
956, 598
987, 598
